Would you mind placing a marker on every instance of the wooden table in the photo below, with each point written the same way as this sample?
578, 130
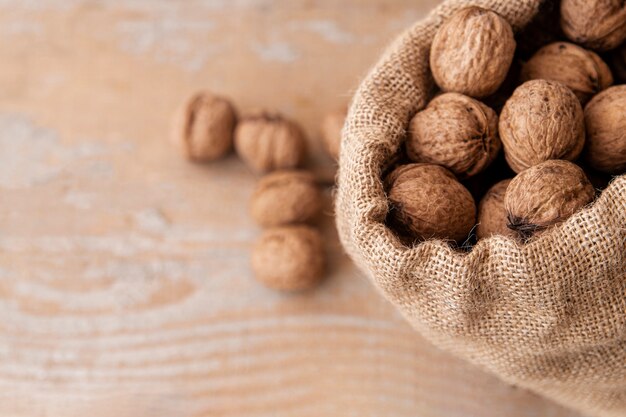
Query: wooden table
125, 288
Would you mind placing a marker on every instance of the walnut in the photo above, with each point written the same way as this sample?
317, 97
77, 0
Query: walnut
203, 127
289, 258
285, 197
492, 218
428, 202
454, 131
332, 126
596, 24
545, 195
605, 118
583, 71
472, 51
542, 120
267, 141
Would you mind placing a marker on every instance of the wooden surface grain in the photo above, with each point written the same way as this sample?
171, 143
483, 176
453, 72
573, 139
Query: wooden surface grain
125, 288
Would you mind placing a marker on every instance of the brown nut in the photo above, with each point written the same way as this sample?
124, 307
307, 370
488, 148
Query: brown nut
472, 51
203, 127
545, 195
492, 218
267, 141
542, 120
428, 202
605, 118
289, 258
583, 71
596, 24
285, 197
332, 126
454, 131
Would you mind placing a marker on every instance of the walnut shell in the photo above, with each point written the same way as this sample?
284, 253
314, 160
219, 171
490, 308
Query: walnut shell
203, 127
492, 218
472, 51
542, 120
605, 118
428, 202
545, 195
289, 258
583, 71
285, 197
332, 125
596, 24
454, 131
267, 141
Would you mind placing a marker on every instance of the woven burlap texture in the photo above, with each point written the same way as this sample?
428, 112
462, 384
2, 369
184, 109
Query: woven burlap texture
549, 315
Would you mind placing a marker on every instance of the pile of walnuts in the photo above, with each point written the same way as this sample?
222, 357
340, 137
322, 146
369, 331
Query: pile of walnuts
289, 255
558, 137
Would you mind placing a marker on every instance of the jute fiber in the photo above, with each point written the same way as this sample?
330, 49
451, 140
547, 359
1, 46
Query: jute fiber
549, 315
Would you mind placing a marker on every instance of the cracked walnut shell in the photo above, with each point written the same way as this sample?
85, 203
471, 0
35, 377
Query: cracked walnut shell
472, 51
542, 120
454, 131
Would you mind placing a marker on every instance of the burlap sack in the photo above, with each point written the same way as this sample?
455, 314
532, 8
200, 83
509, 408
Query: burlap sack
550, 315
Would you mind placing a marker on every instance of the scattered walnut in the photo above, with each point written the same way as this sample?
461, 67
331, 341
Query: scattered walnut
267, 141
596, 24
289, 258
203, 127
455, 131
605, 118
331, 131
542, 120
428, 202
472, 51
545, 195
285, 197
492, 218
583, 71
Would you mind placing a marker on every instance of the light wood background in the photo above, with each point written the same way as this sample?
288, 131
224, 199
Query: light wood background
124, 281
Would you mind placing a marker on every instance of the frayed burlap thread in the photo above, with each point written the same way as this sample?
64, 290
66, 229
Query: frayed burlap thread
550, 315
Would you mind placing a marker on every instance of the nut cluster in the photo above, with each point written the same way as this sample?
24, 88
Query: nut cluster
542, 128
289, 255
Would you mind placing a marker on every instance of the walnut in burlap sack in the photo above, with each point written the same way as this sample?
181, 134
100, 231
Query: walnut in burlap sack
550, 315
